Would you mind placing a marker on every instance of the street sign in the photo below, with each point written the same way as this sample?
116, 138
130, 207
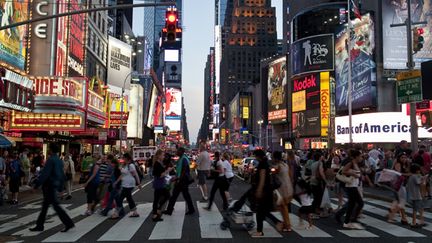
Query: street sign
409, 87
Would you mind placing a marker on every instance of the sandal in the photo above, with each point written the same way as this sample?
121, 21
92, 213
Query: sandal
287, 229
134, 215
258, 234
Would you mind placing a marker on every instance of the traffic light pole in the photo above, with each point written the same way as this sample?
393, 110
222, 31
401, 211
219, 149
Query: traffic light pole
410, 64
83, 11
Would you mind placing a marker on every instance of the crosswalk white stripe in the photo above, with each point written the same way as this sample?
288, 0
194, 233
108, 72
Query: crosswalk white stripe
81, 228
22, 221
303, 230
389, 228
388, 205
7, 216
358, 233
210, 223
383, 225
39, 205
268, 230
53, 222
172, 226
126, 228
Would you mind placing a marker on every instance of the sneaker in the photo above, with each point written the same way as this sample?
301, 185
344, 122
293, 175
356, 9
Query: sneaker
348, 226
357, 226
88, 213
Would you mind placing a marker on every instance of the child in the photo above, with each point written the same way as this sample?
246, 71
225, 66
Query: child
414, 194
305, 198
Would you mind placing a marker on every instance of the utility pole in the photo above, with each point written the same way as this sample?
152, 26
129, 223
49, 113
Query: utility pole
410, 65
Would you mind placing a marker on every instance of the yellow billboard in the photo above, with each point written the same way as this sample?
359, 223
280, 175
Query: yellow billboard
299, 101
325, 102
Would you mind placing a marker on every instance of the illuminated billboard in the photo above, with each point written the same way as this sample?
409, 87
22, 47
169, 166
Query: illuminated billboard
13, 47
119, 63
76, 38
62, 31
277, 81
173, 108
394, 39
363, 71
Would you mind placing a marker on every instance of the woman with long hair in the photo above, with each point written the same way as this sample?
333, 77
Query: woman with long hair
285, 190
355, 201
114, 187
160, 186
398, 206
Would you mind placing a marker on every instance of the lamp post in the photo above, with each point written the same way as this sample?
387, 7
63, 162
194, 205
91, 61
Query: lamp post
260, 122
121, 108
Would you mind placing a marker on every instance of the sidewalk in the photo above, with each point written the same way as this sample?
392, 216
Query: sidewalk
27, 195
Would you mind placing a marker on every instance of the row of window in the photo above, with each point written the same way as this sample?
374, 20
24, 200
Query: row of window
98, 46
253, 12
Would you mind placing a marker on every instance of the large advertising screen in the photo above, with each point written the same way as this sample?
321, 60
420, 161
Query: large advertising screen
312, 54
277, 81
62, 31
394, 39
173, 108
119, 63
12, 41
363, 66
76, 38
380, 127
310, 104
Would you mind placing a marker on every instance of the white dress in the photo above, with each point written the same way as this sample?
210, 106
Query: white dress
286, 188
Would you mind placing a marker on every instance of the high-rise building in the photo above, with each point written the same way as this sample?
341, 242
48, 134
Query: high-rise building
250, 37
208, 97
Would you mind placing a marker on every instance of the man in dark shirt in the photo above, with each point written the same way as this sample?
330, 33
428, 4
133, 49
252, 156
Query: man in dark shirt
52, 180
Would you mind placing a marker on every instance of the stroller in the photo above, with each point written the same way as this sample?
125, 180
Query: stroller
238, 214
242, 217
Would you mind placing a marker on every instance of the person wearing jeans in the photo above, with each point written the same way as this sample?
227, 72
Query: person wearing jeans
129, 179
220, 183
355, 201
114, 187
161, 192
182, 184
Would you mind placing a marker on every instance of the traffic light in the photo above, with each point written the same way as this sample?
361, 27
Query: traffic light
171, 24
418, 39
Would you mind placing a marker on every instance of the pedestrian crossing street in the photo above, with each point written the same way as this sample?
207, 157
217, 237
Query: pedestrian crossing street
177, 226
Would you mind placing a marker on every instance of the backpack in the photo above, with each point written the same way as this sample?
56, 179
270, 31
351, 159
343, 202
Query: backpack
139, 170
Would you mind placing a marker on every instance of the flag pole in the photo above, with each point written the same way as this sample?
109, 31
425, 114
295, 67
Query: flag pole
349, 75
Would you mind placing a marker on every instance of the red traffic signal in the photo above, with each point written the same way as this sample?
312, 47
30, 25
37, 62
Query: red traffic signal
172, 18
420, 31
418, 39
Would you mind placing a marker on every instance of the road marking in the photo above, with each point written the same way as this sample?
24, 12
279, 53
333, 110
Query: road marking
172, 226
383, 225
210, 223
81, 228
39, 206
388, 205
7, 216
302, 229
22, 221
358, 233
127, 227
268, 230
54, 222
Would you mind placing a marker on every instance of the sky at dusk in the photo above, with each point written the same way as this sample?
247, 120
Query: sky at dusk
198, 37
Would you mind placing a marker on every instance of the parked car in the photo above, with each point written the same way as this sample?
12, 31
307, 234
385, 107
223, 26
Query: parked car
247, 167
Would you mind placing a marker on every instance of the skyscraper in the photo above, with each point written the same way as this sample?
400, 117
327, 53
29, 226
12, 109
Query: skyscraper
250, 36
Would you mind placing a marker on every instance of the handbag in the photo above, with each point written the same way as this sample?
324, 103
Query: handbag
343, 178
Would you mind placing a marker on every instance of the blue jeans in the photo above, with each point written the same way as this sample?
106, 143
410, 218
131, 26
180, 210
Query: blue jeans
114, 194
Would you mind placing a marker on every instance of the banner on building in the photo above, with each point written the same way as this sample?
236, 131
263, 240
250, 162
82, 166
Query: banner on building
76, 38
312, 54
325, 102
173, 108
13, 44
394, 39
23, 121
62, 40
307, 123
119, 63
16, 92
363, 71
276, 82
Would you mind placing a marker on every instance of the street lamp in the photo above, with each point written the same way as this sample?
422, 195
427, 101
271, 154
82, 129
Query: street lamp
121, 107
260, 122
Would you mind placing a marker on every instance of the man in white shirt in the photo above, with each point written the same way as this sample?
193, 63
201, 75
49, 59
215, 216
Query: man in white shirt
203, 163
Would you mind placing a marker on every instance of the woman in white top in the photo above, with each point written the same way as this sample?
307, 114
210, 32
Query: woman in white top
286, 189
229, 174
355, 200
129, 179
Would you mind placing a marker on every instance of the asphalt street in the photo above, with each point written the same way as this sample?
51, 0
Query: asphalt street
202, 226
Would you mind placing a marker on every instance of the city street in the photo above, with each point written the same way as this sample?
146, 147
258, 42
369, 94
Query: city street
16, 220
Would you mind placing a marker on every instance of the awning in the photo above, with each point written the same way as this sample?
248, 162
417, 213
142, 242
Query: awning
4, 141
